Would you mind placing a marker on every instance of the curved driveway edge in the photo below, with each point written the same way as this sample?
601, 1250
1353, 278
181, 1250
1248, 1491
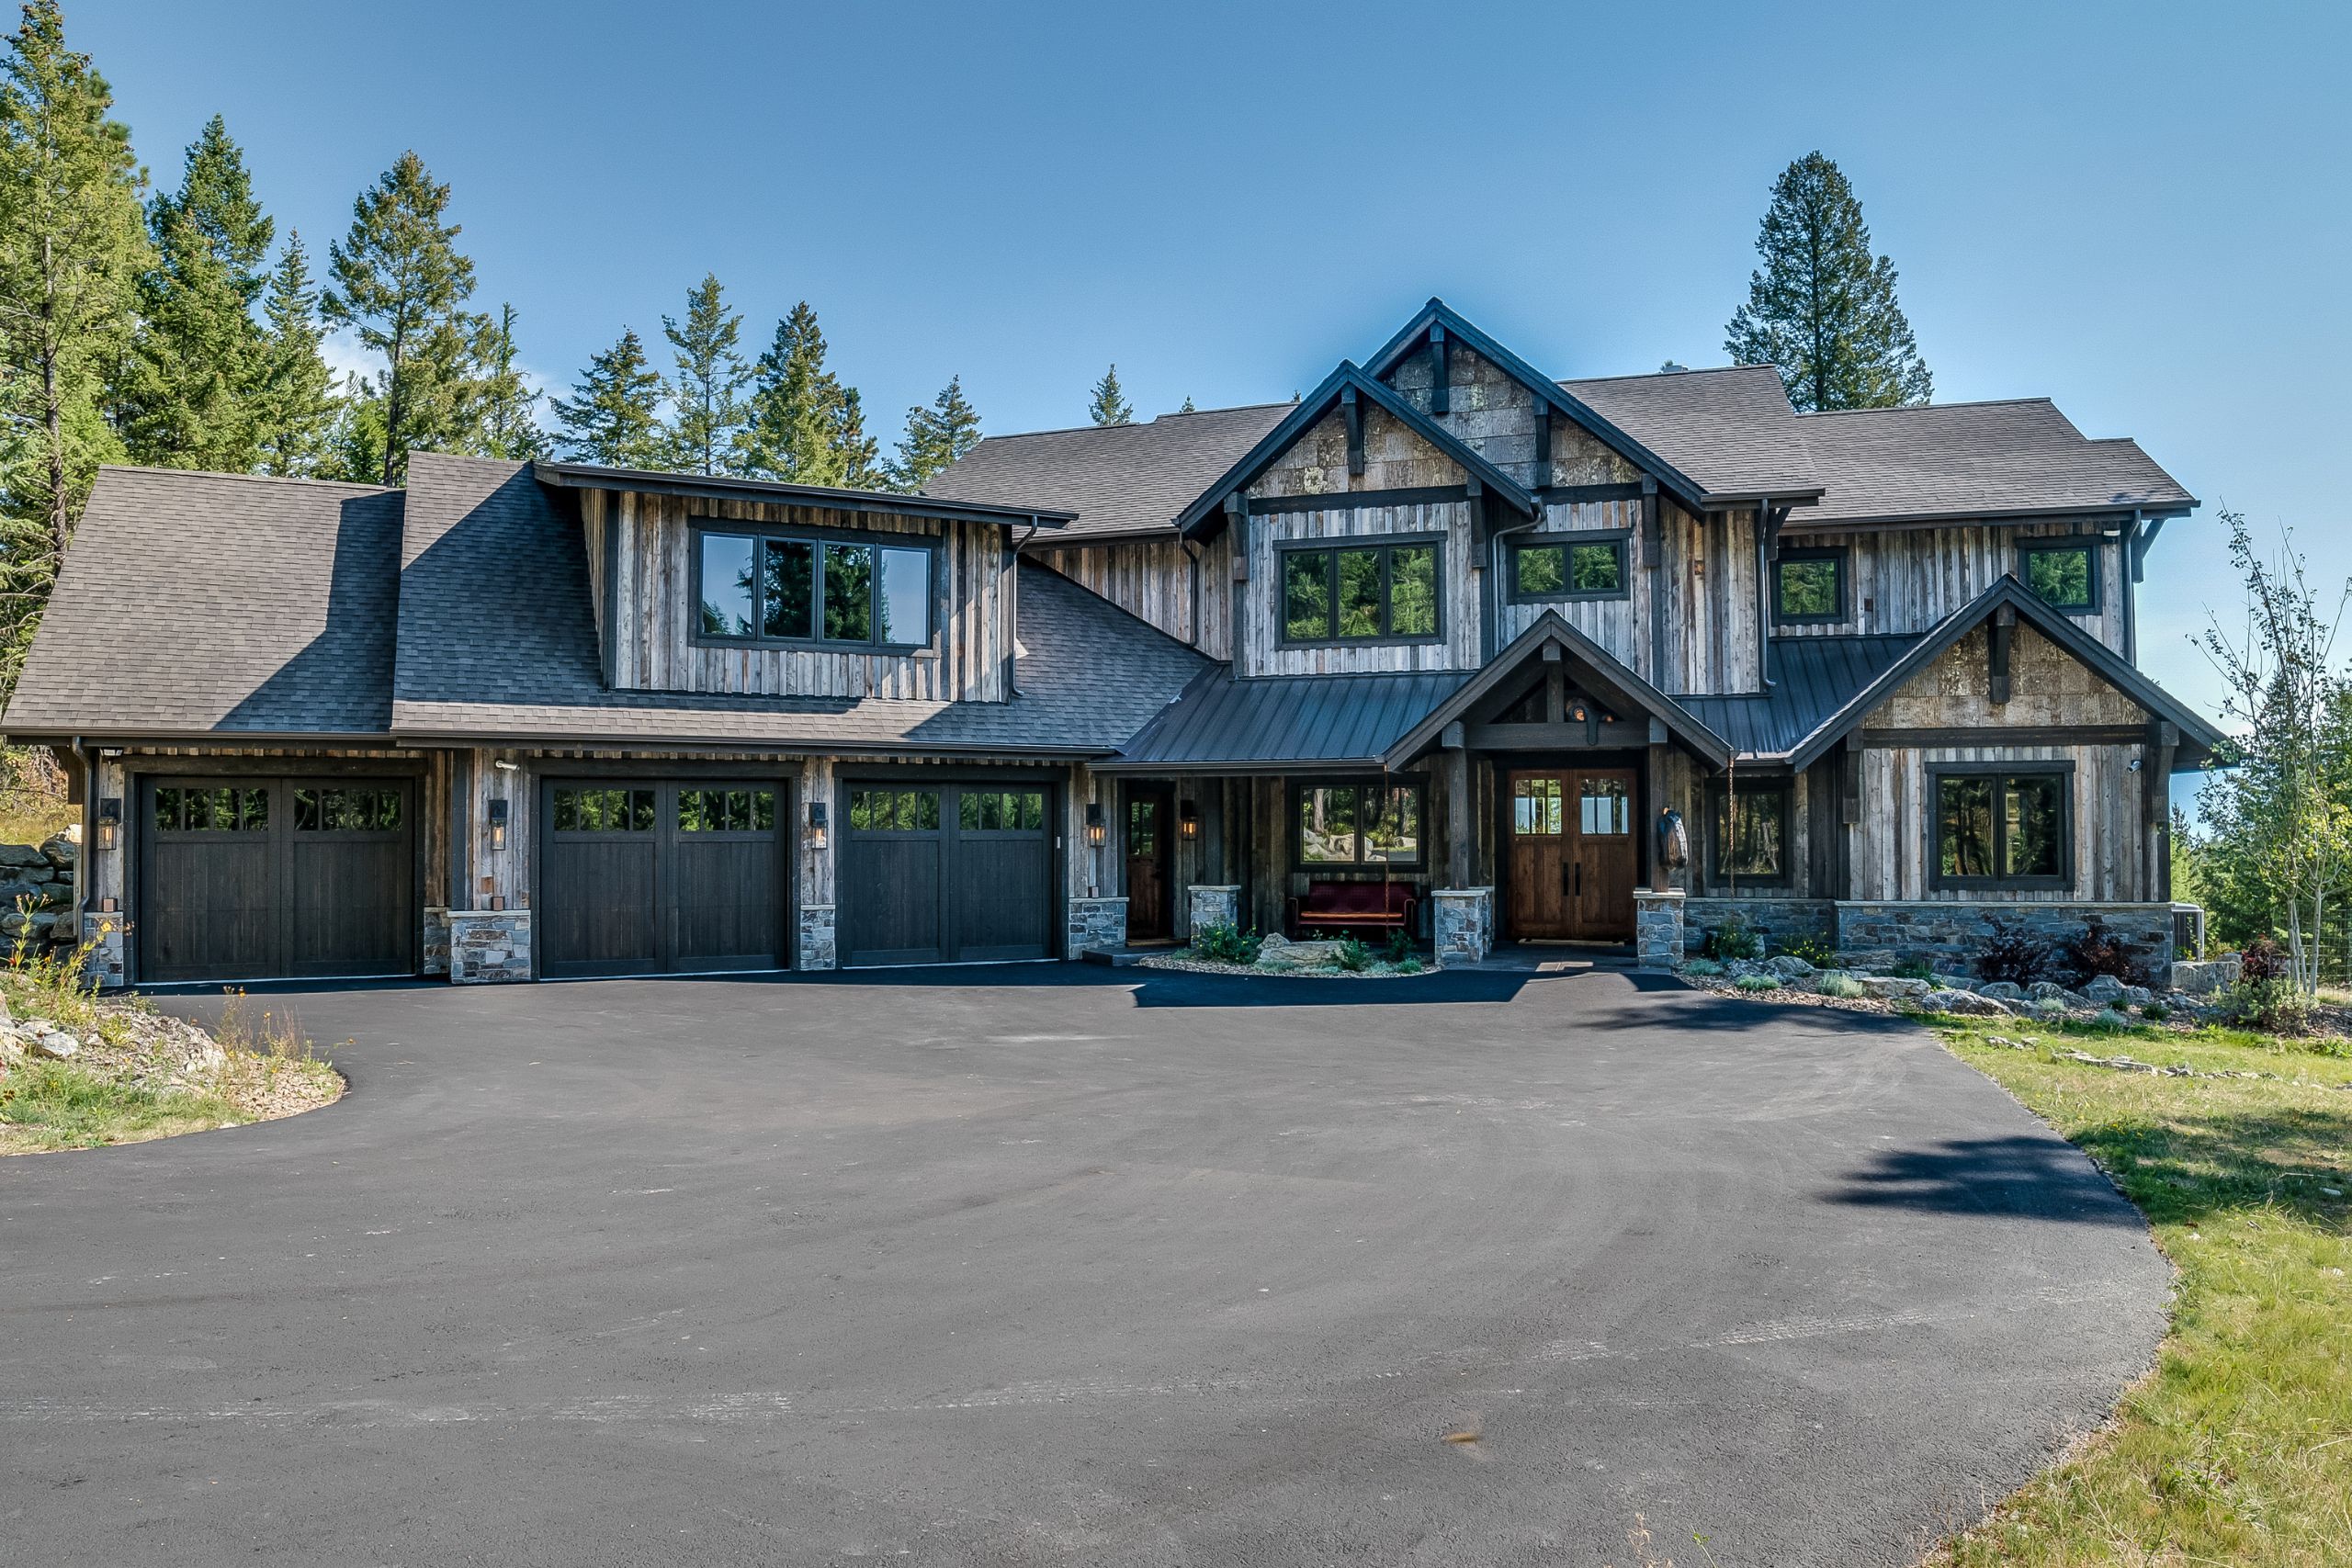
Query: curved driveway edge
1056, 1265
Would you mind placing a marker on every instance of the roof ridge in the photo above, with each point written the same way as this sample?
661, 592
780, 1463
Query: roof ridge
257, 478
1661, 374
1136, 424
1922, 408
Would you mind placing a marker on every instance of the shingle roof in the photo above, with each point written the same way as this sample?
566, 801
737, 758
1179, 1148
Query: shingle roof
1974, 460
488, 651
1813, 677
1311, 720
196, 603
1731, 430
1119, 479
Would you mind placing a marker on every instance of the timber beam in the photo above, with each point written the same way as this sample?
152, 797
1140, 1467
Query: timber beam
1440, 371
1353, 411
1997, 655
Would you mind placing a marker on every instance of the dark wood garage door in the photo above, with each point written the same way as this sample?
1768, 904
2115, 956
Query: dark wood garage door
663, 877
946, 873
251, 879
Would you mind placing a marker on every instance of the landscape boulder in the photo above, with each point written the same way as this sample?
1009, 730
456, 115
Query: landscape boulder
1789, 966
1964, 1002
57, 1045
2001, 991
2208, 977
1893, 988
60, 851
2102, 988
2138, 996
22, 854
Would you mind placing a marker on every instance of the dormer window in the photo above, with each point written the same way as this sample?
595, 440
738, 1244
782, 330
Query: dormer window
2063, 572
802, 588
1809, 586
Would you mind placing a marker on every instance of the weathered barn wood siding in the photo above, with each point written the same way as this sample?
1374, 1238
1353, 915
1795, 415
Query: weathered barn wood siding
1710, 601
1905, 580
649, 622
1894, 842
1621, 625
1155, 580
1459, 620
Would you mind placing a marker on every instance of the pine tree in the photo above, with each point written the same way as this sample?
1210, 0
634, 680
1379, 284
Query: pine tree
1110, 404
935, 436
71, 247
186, 400
616, 417
401, 282
805, 426
1822, 308
1188, 407
710, 428
294, 407
510, 426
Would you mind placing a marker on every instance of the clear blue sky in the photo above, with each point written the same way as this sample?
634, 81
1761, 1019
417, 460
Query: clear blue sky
2143, 211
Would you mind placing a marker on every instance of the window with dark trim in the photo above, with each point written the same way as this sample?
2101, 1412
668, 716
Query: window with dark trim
1362, 592
726, 811
225, 809
603, 811
1752, 831
1551, 566
1809, 586
762, 588
2003, 826
2063, 573
1356, 823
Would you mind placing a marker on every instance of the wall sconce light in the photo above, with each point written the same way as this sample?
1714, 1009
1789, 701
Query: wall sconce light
815, 824
498, 824
1188, 821
1096, 830
110, 821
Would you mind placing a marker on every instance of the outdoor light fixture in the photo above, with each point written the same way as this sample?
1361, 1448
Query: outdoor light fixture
110, 821
498, 824
1188, 821
815, 824
1095, 829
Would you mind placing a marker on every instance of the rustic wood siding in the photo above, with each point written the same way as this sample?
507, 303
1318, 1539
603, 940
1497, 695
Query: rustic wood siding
1621, 625
1905, 580
1156, 580
1711, 605
652, 621
1459, 589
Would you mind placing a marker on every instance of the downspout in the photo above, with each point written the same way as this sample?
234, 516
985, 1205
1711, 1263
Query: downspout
1496, 557
1012, 616
89, 836
1768, 551
1193, 554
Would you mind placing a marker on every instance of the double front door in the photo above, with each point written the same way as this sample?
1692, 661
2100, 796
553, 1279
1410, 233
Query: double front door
1573, 855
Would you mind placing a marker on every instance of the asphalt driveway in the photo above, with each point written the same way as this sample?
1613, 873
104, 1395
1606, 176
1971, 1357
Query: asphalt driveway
1054, 1265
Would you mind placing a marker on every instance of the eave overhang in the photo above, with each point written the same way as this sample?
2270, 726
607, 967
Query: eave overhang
722, 486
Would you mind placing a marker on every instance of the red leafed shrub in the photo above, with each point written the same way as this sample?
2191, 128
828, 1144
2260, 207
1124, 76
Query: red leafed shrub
2100, 951
2264, 960
2013, 955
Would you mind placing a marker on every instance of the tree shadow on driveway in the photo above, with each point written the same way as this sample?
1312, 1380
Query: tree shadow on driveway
2033, 1176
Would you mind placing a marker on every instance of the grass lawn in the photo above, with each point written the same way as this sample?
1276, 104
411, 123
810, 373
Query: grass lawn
2237, 1448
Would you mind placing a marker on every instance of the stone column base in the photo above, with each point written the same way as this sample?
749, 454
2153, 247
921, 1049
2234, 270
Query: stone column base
489, 945
816, 949
437, 940
105, 935
1212, 904
1465, 924
1097, 925
1657, 929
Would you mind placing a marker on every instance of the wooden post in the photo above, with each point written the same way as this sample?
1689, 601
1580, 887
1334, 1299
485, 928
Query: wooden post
1459, 840
1653, 556
1543, 442
2163, 740
1441, 368
2004, 621
1353, 414
1660, 877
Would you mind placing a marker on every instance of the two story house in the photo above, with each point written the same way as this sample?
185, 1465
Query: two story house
1546, 660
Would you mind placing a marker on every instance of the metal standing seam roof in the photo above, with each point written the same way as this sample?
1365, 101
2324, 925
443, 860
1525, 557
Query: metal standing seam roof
207, 603
1813, 677
1298, 721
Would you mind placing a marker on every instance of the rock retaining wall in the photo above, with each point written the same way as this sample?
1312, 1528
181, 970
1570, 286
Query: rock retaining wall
1097, 925
1777, 922
816, 949
1947, 935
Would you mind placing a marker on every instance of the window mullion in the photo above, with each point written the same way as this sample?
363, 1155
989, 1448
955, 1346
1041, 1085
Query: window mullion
1387, 592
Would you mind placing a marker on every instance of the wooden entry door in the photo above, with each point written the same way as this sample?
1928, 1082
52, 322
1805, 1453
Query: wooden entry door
1573, 858
1149, 847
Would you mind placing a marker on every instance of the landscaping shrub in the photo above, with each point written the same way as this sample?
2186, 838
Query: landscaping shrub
2156, 1012
2263, 959
1352, 955
1843, 986
1757, 982
1399, 948
1226, 942
1707, 967
1409, 964
1819, 951
1913, 969
2272, 1005
2098, 951
1733, 939
2013, 955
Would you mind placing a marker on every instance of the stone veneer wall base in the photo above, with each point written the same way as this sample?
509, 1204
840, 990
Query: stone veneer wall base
1212, 904
1097, 925
816, 949
1658, 928
1465, 924
1946, 933
487, 946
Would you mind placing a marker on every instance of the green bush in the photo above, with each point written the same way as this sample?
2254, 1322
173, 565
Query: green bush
2273, 1006
1843, 986
2156, 1012
1733, 939
1409, 964
1913, 969
1703, 966
1352, 955
1226, 942
1819, 951
1400, 947
1757, 982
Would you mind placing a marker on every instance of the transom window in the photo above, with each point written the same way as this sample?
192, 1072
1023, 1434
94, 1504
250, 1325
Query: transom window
1752, 832
1359, 824
878, 810
1535, 808
761, 588
603, 811
2063, 574
346, 810
2002, 830
223, 810
1809, 585
1360, 594
1001, 810
1553, 568
727, 810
